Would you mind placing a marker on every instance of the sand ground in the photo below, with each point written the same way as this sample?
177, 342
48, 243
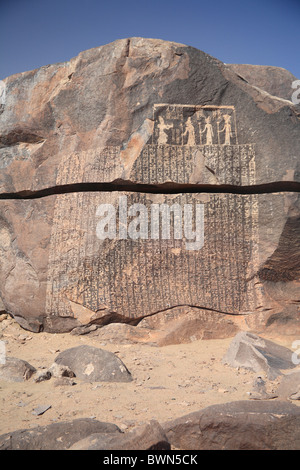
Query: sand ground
168, 382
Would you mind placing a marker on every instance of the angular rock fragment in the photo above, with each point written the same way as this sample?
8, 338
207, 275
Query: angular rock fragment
83, 330
41, 409
94, 364
289, 386
258, 354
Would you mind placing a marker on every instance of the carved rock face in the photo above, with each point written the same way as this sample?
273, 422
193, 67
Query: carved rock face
143, 176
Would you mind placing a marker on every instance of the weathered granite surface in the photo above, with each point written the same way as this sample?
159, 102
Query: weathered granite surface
131, 109
274, 80
240, 425
147, 122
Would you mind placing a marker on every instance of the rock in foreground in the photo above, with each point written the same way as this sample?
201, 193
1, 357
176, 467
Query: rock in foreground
150, 436
94, 364
242, 425
56, 436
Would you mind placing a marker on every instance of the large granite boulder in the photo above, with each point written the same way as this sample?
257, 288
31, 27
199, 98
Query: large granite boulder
147, 122
240, 425
56, 436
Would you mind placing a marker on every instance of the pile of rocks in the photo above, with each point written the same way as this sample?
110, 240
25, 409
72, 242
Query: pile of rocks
84, 362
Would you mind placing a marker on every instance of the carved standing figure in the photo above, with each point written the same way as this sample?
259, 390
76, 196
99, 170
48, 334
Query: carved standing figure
209, 131
189, 129
227, 129
162, 127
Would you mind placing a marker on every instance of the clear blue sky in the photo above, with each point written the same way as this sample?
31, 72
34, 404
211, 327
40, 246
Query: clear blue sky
40, 32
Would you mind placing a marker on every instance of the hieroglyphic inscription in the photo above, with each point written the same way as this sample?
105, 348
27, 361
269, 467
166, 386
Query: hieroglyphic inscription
161, 163
92, 166
136, 277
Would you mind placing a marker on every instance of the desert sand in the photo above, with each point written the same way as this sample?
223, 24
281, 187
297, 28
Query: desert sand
168, 382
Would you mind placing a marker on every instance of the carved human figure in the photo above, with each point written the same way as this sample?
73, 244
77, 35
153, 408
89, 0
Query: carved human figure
227, 129
162, 127
209, 131
189, 129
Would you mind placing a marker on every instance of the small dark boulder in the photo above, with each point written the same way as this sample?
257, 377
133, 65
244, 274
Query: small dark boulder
92, 364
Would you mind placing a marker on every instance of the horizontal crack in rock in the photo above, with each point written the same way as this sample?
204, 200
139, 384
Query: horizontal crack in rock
163, 188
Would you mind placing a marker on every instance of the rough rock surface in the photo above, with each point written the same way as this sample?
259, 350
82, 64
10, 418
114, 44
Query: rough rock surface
289, 386
66, 277
174, 326
56, 436
185, 324
16, 370
121, 333
258, 354
94, 364
150, 436
259, 391
57, 370
162, 123
242, 425
274, 80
